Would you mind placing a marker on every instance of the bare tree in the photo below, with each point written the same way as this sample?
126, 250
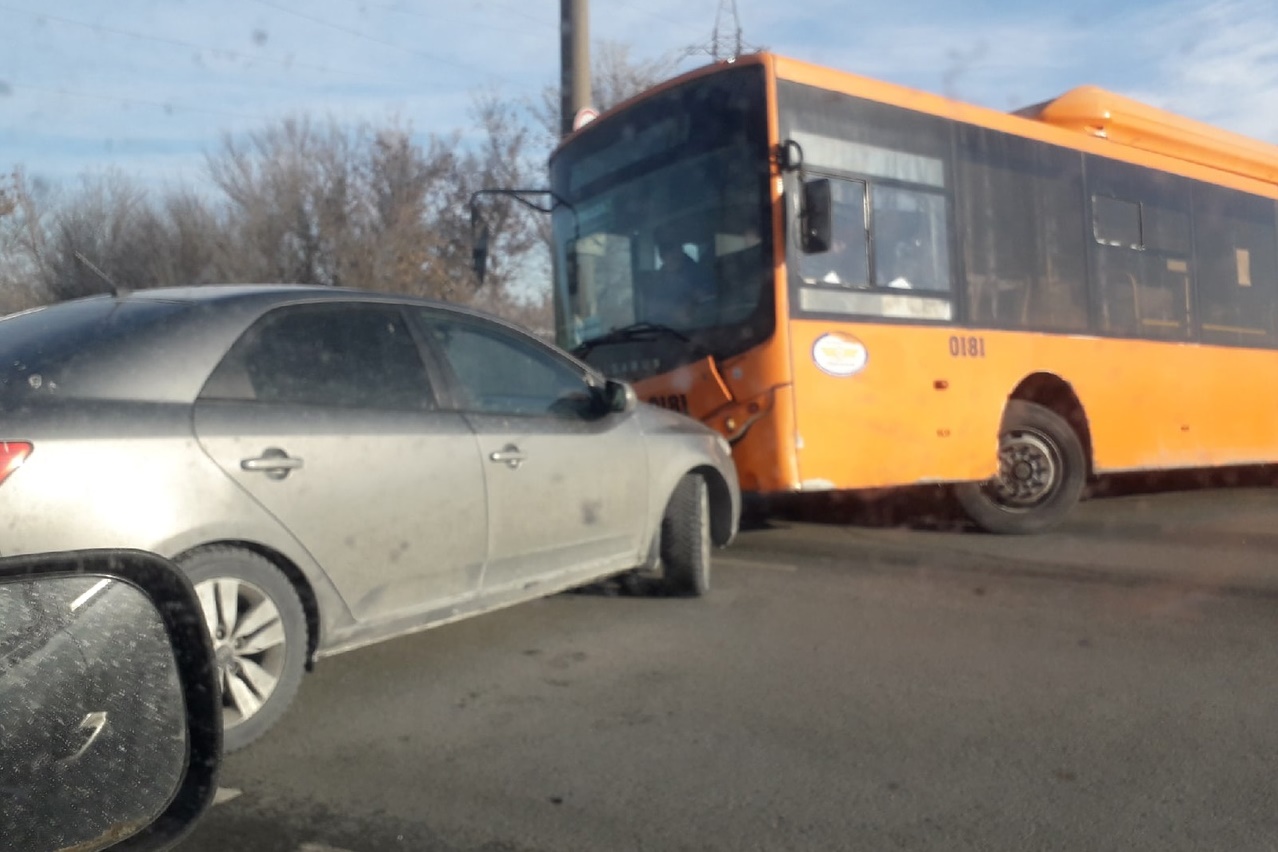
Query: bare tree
371, 208
109, 224
22, 245
301, 200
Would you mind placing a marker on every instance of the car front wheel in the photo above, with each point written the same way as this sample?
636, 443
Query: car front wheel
259, 637
685, 538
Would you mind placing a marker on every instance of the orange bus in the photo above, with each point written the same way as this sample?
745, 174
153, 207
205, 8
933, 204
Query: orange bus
865, 286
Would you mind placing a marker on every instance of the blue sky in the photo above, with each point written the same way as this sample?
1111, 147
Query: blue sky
147, 86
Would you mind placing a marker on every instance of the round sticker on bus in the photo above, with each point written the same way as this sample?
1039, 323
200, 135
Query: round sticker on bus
840, 354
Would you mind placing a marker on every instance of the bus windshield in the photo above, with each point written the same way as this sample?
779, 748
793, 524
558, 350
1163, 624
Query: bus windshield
666, 230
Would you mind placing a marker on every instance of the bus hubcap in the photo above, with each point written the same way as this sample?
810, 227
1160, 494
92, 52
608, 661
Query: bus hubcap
1029, 468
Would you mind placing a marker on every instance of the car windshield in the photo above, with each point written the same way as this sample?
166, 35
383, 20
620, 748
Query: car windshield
715, 425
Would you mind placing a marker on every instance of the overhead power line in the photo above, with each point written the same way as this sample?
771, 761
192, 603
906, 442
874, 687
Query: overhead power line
223, 51
656, 16
168, 107
375, 40
465, 22
551, 20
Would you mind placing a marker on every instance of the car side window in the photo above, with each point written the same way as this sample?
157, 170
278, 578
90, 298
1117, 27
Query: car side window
341, 355
499, 373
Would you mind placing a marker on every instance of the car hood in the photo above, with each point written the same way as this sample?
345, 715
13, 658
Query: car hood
657, 420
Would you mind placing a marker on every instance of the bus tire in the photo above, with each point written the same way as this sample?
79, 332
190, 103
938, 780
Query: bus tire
1042, 472
685, 539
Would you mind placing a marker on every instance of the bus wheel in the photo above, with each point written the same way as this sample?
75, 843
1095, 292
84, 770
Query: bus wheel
1042, 471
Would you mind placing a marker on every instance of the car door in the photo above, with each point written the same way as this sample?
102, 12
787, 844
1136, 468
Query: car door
567, 481
325, 414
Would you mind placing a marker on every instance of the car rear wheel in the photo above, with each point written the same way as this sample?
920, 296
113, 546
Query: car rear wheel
685, 538
259, 637
1042, 471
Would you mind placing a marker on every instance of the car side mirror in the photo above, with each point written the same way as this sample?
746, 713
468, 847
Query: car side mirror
110, 716
620, 397
816, 216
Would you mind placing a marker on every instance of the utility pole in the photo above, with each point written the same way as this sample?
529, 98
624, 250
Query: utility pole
574, 55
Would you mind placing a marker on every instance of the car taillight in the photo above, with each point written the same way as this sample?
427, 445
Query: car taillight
12, 455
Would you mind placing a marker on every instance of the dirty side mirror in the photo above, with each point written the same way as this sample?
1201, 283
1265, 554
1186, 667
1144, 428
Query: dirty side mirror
816, 216
110, 725
620, 397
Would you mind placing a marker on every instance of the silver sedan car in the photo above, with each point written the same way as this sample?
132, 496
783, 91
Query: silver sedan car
333, 468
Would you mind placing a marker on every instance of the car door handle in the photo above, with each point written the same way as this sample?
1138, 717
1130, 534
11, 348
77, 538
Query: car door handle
509, 455
274, 462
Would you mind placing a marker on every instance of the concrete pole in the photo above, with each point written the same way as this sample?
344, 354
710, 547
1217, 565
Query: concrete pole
574, 55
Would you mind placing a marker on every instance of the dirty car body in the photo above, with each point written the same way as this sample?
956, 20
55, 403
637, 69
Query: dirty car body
333, 468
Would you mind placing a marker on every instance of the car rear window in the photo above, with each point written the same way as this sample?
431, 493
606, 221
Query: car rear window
38, 342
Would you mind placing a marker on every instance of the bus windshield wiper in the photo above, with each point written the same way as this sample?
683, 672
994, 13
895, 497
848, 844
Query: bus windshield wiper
634, 331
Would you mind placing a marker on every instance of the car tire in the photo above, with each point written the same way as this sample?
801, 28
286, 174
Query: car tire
685, 538
1042, 472
259, 633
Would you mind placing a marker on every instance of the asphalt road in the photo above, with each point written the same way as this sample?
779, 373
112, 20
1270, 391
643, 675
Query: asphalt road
1108, 686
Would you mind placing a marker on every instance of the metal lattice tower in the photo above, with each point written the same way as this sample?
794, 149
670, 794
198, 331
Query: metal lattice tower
726, 42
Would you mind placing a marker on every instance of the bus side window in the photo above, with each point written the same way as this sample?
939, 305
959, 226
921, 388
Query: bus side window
1141, 250
1238, 266
911, 247
1022, 232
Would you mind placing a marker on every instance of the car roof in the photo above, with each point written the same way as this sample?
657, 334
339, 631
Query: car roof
266, 294
281, 293
172, 354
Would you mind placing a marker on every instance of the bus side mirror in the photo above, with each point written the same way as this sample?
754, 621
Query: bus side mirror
815, 217
479, 252
573, 268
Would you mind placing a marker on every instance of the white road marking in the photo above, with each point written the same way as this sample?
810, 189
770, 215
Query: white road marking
87, 596
319, 847
225, 794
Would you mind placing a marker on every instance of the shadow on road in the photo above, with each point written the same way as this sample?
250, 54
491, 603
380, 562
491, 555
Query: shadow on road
1160, 482
933, 507
930, 508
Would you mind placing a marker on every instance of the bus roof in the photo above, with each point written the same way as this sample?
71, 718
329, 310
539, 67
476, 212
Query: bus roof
1103, 117
1086, 118
1097, 112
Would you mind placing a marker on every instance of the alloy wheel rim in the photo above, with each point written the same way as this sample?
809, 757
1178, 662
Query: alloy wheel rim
1029, 470
249, 644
